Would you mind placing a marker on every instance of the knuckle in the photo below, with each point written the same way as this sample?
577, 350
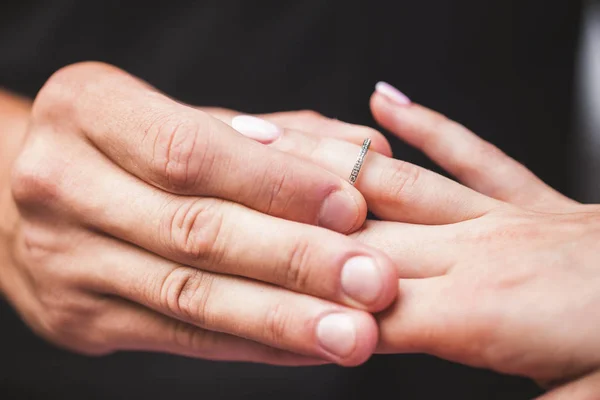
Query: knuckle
39, 246
277, 324
69, 319
79, 71
180, 154
186, 292
487, 151
399, 181
59, 323
439, 123
194, 230
279, 190
37, 176
190, 337
483, 342
66, 87
437, 126
45, 258
57, 96
297, 271
483, 156
517, 228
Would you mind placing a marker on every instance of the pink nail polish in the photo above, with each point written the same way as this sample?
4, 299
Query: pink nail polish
256, 128
391, 93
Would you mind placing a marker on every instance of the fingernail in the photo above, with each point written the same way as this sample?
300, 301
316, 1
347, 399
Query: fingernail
392, 93
256, 128
339, 212
337, 334
361, 279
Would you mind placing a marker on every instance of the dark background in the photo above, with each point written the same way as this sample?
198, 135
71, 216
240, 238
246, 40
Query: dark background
502, 67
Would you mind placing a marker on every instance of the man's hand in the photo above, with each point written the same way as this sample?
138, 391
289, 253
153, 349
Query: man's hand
147, 224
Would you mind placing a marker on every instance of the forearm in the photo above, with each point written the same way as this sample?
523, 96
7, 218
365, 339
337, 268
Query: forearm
14, 114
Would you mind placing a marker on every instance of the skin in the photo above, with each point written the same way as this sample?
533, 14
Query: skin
516, 289
133, 222
500, 273
486, 268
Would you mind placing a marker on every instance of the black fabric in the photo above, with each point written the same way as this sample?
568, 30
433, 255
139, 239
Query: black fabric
502, 67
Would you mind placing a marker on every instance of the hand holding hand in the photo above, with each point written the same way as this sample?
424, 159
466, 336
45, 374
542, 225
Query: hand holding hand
145, 224
501, 274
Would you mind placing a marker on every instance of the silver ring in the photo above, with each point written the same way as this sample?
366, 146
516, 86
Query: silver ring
359, 161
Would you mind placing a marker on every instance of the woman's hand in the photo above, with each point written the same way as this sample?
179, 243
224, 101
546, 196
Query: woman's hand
517, 289
145, 224
502, 275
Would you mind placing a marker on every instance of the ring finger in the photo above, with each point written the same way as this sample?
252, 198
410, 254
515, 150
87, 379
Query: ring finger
395, 190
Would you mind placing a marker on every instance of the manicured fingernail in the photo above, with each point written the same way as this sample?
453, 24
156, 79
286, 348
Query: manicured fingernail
392, 93
337, 334
339, 212
256, 128
361, 279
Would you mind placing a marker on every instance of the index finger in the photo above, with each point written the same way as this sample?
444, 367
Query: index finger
186, 151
